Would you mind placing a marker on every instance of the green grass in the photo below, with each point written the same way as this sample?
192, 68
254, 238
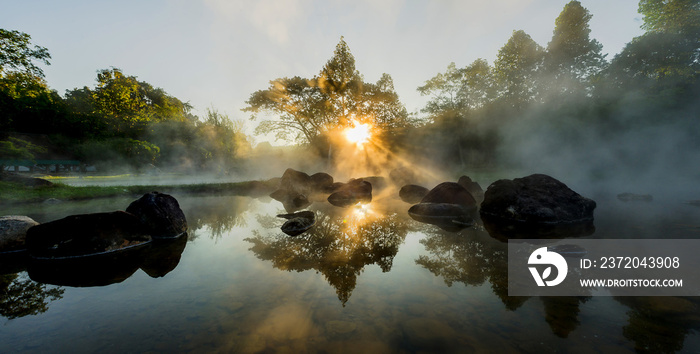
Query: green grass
12, 193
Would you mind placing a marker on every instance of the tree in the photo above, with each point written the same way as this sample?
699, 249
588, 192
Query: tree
666, 59
130, 105
572, 57
457, 91
18, 55
671, 16
516, 69
309, 110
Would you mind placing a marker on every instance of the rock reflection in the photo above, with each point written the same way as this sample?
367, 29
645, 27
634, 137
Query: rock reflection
21, 296
339, 246
156, 259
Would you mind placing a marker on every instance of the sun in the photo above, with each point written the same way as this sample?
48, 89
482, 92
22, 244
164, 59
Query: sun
359, 134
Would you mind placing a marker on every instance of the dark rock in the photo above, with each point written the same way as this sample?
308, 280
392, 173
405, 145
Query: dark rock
451, 217
293, 180
351, 193
472, 187
87, 234
536, 199
321, 182
302, 214
160, 214
298, 223
412, 193
450, 193
631, 197
13, 232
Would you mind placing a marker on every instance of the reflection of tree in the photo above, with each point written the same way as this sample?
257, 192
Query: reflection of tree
660, 324
470, 257
220, 214
339, 246
20, 296
561, 313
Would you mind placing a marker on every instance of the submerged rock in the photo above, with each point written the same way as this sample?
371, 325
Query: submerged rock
535, 199
351, 193
160, 215
86, 234
298, 223
412, 193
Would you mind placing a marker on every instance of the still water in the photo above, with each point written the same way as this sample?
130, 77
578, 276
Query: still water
362, 280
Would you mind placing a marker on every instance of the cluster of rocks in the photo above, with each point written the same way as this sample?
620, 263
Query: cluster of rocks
153, 216
534, 201
298, 189
535, 205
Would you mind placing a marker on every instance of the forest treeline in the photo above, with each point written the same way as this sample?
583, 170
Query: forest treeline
556, 102
119, 124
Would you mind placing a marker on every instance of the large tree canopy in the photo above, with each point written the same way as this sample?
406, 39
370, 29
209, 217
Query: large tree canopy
18, 54
572, 57
306, 110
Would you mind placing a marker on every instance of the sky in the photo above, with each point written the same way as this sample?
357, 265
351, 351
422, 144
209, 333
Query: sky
216, 53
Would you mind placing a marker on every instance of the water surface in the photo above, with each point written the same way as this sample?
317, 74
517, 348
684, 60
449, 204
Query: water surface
362, 280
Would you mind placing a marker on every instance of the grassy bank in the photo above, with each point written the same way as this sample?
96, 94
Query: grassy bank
14, 193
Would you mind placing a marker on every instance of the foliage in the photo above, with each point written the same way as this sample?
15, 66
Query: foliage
18, 55
18, 149
20, 296
671, 16
307, 110
516, 69
572, 57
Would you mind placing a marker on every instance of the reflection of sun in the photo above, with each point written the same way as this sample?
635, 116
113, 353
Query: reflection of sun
359, 134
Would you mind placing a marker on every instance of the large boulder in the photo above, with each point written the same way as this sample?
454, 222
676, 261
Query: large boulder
86, 234
293, 180
351, 193
535, 199
321, 182
450, 193
412, 193
160, 215
13, 232
472, 187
